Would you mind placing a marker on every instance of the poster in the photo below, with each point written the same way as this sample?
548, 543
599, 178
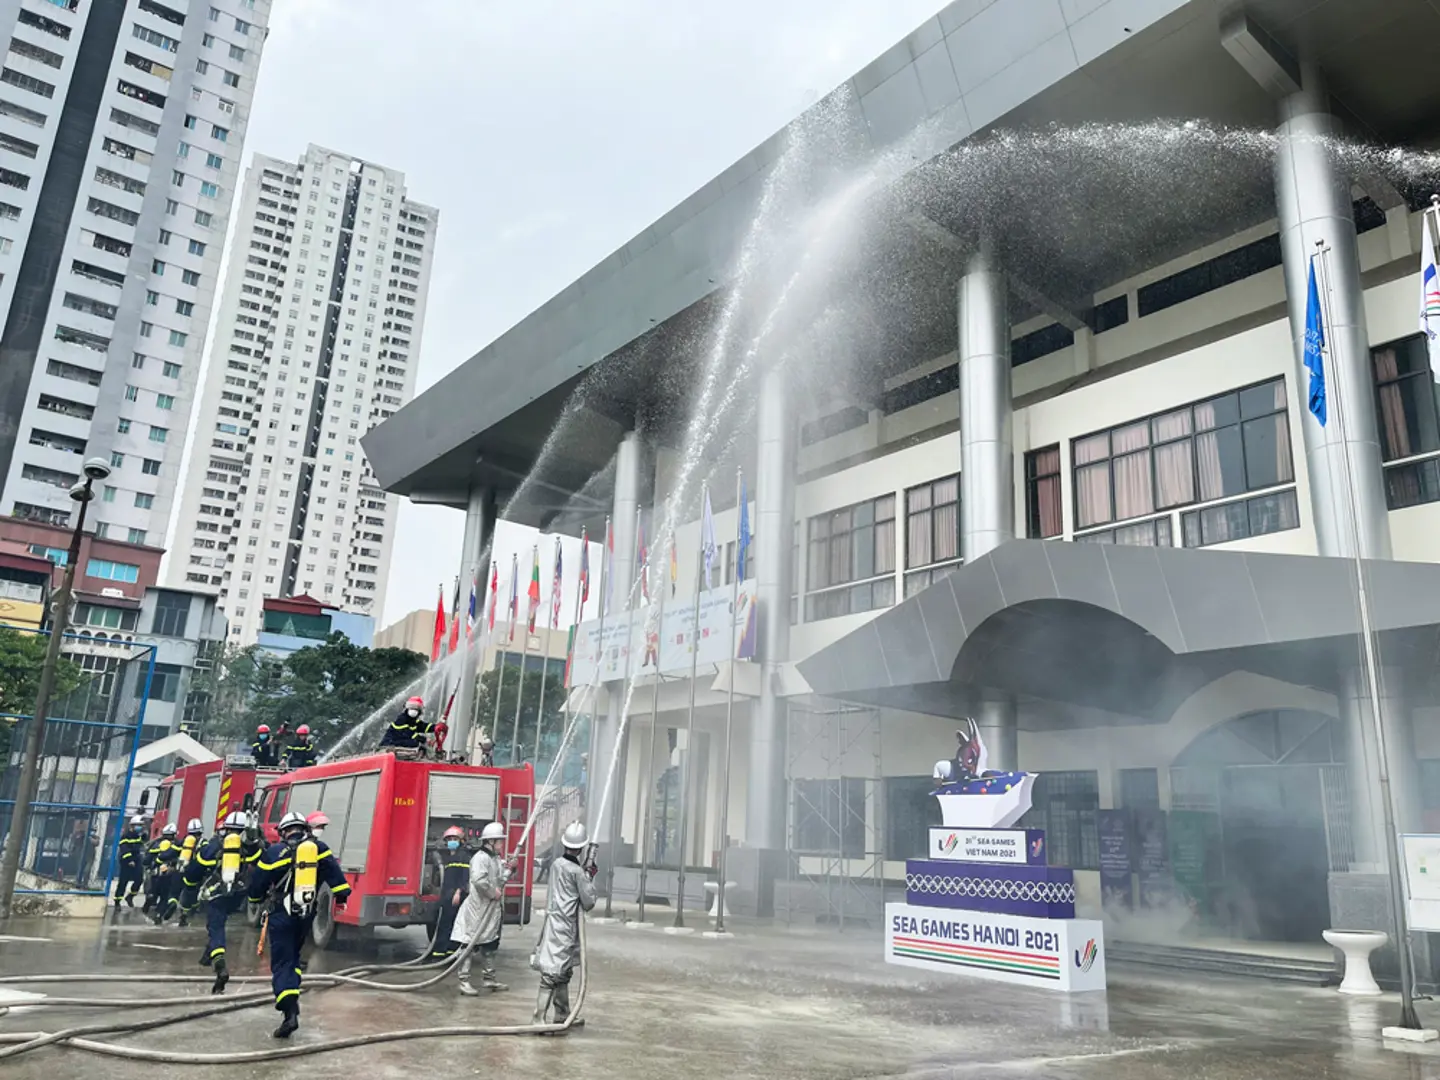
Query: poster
1193, 836
1152, 858
1115, 868
639, 637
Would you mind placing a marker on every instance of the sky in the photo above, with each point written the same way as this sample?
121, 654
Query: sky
548, 133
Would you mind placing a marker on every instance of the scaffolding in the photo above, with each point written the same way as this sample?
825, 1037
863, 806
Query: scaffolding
830, 874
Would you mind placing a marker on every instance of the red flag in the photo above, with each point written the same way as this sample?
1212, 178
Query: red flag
494, 591
455, 621
439, 626
534, 591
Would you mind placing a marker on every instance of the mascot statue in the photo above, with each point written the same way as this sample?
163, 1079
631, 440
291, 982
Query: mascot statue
973, 797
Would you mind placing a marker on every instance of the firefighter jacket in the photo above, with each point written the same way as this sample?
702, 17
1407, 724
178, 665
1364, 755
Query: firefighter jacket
276, 866
204, 868
300, 753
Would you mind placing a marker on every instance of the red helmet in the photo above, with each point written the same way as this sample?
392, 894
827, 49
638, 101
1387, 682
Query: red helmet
456, 832
263, 729
303, 729
415, 703
317, 820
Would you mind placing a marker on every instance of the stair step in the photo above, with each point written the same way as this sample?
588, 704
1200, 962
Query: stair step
1219, 962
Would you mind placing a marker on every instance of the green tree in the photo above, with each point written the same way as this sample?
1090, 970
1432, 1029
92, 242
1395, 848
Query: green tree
226, 690
503, 731
22, 654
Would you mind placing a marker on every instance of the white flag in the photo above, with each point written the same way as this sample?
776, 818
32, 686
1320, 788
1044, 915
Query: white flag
1430, 296
707, 539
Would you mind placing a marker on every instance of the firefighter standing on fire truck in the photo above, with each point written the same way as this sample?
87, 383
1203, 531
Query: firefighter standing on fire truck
263, 749
301, 751
217, 875
287, 880
408, 730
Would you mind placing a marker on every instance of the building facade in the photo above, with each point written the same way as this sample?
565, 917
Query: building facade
121, 129
300, 622
319, 336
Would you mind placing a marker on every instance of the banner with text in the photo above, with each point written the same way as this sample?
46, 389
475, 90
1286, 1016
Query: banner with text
638, 636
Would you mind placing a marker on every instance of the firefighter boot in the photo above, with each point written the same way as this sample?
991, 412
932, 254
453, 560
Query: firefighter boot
222, 976
487, 977
291, 1023
184, 919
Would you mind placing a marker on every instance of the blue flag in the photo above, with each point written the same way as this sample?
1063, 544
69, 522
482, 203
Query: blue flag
742, 547
1315, 348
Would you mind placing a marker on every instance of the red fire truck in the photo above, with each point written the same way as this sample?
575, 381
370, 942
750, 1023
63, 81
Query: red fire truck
387, 818
207, 791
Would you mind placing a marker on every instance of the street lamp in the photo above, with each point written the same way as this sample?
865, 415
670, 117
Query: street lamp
95, 469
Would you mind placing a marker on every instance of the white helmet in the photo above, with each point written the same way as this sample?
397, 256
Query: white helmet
195, 826
169, 830
574, 837
290, 820
235, 820
137, 820
493, 831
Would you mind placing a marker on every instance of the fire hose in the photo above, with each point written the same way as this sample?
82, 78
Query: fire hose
25, 1041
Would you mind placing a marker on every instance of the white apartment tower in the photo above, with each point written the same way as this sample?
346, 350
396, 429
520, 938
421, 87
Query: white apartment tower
317, 341
121, 129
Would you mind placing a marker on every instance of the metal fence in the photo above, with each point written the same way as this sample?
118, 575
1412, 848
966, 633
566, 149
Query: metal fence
91, 736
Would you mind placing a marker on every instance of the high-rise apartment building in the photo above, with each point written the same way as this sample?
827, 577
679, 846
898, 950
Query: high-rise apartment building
121, 129
317, 341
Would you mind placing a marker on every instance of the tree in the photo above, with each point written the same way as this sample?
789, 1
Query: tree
22, 654
503, 731
331, 687
223, 692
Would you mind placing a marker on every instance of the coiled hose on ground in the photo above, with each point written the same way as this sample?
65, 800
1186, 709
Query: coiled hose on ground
24, 1042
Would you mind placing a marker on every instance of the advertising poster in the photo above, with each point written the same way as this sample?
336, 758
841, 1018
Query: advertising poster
1115, 863
1152, 858
1194, 837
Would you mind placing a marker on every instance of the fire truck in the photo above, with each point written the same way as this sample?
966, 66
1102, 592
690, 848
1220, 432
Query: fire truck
388, 814
207, 791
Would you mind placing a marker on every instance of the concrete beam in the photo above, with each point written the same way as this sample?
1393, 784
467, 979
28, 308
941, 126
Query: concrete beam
1267, 62
1381, 191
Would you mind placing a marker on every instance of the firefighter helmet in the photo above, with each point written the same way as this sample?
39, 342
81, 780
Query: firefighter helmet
263, 729
317, 820
496, 831
137, 820
416, 702
235, 820
574, 838
291, 821
169, 830
303, 730
454, 831
195, 826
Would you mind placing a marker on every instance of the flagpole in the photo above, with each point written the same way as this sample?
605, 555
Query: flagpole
483, 637
730, 698
687, 771
603, 584
645, 831
1408, 1017
545, 663
622, 733
520, 689
500, 656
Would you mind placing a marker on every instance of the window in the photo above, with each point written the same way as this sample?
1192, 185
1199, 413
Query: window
237, 53
122, 426
1065, 805
209, 191
58, 556
932, 532
201, 67
172, 612
230, 79
184, 307
49, 26
183, 150
152, 297
164, 682
219, 133
170, 370
117, 459
197, 247
108, 494
132, 393
171, 208
829, 816
1406, 400
27, 82
164, 401
207, 40
150, 467
165, 234
910, 811
163, 12
159, 434
136, 536
144, 501
1042, 493
202, 217
178, 338
1153, 533
1241, 519
852, 559
112, 571
190, 277
213, 161
1227, 445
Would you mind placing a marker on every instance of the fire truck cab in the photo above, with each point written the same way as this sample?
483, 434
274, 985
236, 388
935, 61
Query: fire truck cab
387, 818
208, 791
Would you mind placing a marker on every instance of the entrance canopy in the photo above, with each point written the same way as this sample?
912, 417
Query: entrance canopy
1099, 634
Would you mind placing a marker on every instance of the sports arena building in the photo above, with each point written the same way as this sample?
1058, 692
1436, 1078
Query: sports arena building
1058, 474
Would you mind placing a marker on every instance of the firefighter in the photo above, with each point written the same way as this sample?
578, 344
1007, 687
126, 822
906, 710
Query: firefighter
483, 913
571, 891
217, 875
408, 731
194, 837
287, 881
263, 750
132, 851
454, 859
301, 751
164, 857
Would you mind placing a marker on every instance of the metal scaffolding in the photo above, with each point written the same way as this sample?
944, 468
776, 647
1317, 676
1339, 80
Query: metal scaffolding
828, 812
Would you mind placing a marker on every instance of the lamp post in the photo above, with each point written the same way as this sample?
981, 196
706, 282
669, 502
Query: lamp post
95, 469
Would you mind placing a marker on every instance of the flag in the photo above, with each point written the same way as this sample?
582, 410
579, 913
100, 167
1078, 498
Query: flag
1314, 353
584, 567
472, 612
514, 594
494, 592
707, 539
455, 620
439, 626
742, 546
555, 582
569, 652
642, 559
674, 567
1430, 296
533, 593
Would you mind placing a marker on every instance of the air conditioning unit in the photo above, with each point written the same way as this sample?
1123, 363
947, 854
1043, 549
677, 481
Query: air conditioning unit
120, 593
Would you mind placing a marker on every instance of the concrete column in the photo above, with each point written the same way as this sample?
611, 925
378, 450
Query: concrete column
1314, 204
987, 457
765, 810
619, 574
479, 527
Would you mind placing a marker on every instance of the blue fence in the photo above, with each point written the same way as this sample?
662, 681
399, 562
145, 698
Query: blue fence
87, 758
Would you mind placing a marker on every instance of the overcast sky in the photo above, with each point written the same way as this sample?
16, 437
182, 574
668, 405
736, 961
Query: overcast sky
548, 133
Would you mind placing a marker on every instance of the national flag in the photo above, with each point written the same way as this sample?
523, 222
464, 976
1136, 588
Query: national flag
642, 559
494, 592
1430, 295
556, 581
569, 652
1314, 352
533, 593
707, 540
472, 612
674, 567
742, 546
439, 638
584, 567
455, 620
514, 594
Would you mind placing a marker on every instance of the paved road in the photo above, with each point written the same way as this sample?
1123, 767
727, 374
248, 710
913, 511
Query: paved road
767, 1004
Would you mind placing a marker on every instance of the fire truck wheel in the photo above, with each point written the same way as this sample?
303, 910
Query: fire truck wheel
322, 930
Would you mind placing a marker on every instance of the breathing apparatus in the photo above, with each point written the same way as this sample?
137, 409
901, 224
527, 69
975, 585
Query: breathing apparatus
230, 849
299, 899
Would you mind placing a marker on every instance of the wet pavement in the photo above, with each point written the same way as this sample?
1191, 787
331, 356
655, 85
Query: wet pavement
771, 1003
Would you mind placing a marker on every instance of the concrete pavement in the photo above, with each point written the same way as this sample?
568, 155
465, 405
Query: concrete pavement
770, 1003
